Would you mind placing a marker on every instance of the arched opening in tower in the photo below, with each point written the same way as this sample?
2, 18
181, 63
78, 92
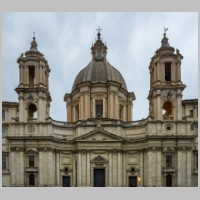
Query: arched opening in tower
32, 111
167, 110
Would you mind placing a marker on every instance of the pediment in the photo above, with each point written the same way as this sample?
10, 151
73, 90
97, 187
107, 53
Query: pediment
99, 135
99, 160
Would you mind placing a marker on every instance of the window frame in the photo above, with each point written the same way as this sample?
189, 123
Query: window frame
31, 163
4, 162
167, 163
168, 71
97, 103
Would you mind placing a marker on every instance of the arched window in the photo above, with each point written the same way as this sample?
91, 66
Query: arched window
31, 180
167, 110
32, 111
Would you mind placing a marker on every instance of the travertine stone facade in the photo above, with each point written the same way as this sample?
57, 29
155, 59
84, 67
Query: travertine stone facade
99, 144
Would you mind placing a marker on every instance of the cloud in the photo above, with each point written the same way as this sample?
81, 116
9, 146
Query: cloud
65, 39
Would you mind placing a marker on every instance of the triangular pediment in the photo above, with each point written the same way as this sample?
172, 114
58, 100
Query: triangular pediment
99, 159
99, 135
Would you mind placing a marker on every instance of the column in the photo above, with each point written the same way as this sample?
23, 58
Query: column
189, 168
21, 109
58, 168
179, 168
159, 109
173, 71
79, 164
88, 169
40, 74
178, 71
104, 107
119, 169
40, 178
179, 106
110, 168
149, 182
124, 169
81, 111
111, 105
116, 106
141, 167
159, 168
93, 108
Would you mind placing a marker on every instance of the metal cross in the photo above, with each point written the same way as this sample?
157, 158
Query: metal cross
34, 34
99, 29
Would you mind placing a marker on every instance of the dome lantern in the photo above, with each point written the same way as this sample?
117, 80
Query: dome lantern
99, 49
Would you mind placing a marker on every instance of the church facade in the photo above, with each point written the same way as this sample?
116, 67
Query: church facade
99, 145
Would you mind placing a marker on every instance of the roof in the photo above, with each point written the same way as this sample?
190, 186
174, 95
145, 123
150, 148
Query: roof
99, 72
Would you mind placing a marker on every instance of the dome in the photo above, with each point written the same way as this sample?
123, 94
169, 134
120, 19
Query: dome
99, 72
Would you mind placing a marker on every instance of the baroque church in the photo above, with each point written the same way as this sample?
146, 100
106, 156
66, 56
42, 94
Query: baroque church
99, 145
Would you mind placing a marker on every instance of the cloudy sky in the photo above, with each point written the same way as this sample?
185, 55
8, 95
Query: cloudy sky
66, 38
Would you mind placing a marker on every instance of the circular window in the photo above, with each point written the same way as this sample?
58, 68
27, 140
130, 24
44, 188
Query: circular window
169, 127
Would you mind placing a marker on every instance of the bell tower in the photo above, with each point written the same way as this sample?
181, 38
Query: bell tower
33, 88
165, 95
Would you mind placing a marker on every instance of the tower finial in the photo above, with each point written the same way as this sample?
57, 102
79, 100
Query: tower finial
99, 34
34, 35
165, 30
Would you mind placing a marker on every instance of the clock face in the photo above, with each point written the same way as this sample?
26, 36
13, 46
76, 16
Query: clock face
31, 128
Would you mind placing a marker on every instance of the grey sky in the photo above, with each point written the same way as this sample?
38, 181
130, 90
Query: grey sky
66, 38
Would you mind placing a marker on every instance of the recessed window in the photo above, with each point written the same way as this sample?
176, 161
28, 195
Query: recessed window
31, 72
31, 161
77, 112
3, 135
4, 164
169, 161
121, 109
191, 113
168, 71
99, 107
196, 160
3, 115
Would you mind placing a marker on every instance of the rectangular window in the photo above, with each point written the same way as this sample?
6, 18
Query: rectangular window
31, 75
196, 157
168, 161
31, 161
191, 113
3, 115
4, 166
168, 71
3, 135
99, 107
121, 112
77, 112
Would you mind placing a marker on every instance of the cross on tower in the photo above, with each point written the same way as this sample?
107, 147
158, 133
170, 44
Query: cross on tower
99, 29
